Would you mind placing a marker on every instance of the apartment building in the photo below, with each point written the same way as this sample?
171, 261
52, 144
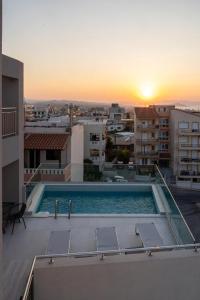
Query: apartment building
12, 131
152, 135
116, 112
146, 128
94, 140
185, 140
164, 113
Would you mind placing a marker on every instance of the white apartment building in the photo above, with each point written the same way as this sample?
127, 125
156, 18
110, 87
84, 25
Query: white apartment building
41, 112
94, 140
185, 140
12, 132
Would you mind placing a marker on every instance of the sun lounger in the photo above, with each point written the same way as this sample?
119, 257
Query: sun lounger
59, 242
106, 239
148, 235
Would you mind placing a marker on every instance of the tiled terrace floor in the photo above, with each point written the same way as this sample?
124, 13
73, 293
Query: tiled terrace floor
21, 247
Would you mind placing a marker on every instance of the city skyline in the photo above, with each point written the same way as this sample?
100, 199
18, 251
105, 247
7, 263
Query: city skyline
133, 52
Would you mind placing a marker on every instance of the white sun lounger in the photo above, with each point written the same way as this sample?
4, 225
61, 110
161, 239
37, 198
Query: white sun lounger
148, 235
59, 242
106, 239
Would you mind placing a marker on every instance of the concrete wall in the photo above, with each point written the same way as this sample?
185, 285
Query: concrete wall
10, 185
166, 276
11, 150
13, 147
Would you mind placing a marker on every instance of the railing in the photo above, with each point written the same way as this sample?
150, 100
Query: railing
189, 145
189, 131
147, 141
187, 173
146, 127
29, 289
178, 225
148, 153
46, 172
189, 160
9, 121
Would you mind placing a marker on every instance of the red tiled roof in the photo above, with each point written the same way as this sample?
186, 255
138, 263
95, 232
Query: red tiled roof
145, 113
45, 141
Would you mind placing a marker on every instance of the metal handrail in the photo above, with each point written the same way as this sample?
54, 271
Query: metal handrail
29, 281
147, 250
175, 203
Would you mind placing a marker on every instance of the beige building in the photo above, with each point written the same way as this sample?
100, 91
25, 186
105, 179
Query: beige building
152, 136
185, 141
146, 128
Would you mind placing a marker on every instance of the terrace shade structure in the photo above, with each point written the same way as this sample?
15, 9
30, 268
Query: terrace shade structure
46, 148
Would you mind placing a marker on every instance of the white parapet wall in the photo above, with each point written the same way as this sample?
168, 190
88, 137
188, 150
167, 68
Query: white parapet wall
77, 153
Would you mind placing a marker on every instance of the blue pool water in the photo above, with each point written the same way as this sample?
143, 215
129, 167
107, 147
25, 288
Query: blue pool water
99, 202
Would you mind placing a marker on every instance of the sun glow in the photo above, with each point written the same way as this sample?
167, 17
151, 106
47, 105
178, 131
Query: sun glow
147, 91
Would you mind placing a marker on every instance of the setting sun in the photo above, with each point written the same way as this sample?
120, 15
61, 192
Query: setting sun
147, 91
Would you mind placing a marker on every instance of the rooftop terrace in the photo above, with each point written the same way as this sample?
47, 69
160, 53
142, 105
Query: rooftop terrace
33, 241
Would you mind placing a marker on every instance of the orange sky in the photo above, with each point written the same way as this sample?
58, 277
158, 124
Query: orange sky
106, 50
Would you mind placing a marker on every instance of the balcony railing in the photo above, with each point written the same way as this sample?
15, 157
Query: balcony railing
147, 141
146, 127
148, 153
195, 146
9, 121
189, 160
189, 131
187, 173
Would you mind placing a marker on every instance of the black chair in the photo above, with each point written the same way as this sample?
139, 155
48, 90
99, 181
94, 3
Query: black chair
13, 217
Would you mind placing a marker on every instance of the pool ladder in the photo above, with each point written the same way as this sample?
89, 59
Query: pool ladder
69, 209
56, 208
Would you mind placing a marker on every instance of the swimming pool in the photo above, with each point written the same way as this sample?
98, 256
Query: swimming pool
99, 199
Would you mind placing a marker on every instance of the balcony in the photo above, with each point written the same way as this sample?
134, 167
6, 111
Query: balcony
191, 161
147, 141
164, 139
189, 174
189, 131
147, 127
148, 154
164, 126
189, 146
9, 121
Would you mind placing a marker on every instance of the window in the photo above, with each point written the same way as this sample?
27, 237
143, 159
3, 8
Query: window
94, 152
195, 126
183, 125
164, 122
94, 137
52, 154
163, 147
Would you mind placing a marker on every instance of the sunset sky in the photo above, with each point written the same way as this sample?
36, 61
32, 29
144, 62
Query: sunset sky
130, 51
